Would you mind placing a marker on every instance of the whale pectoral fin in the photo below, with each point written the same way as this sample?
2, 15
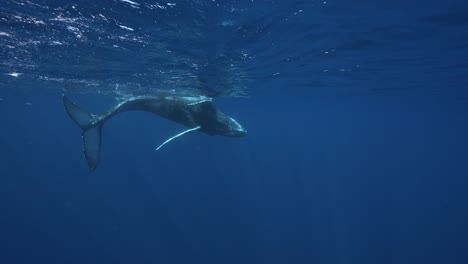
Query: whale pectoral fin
178, 135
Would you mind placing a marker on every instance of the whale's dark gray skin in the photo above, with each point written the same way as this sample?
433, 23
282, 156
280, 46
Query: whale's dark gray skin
194, 112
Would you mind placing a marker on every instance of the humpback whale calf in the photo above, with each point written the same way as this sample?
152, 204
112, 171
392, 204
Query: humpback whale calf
195, 112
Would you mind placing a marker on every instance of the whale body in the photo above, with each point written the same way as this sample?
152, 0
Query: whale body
195, 112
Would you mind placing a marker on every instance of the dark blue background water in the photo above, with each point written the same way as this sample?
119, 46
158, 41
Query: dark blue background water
355, 155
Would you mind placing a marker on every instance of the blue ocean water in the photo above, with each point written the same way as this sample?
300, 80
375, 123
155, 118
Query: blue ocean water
356, 113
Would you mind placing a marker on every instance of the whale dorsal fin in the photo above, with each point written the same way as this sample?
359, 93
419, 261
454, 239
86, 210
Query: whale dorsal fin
178, 135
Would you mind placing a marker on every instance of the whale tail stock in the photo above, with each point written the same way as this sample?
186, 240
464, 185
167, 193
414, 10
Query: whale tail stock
91, 127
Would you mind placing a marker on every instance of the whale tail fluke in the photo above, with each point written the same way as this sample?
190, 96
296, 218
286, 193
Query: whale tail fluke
91, 135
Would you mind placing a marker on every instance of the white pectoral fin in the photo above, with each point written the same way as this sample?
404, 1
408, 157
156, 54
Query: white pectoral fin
178, 135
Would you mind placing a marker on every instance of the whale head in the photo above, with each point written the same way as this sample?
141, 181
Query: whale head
232, 128
223, 125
